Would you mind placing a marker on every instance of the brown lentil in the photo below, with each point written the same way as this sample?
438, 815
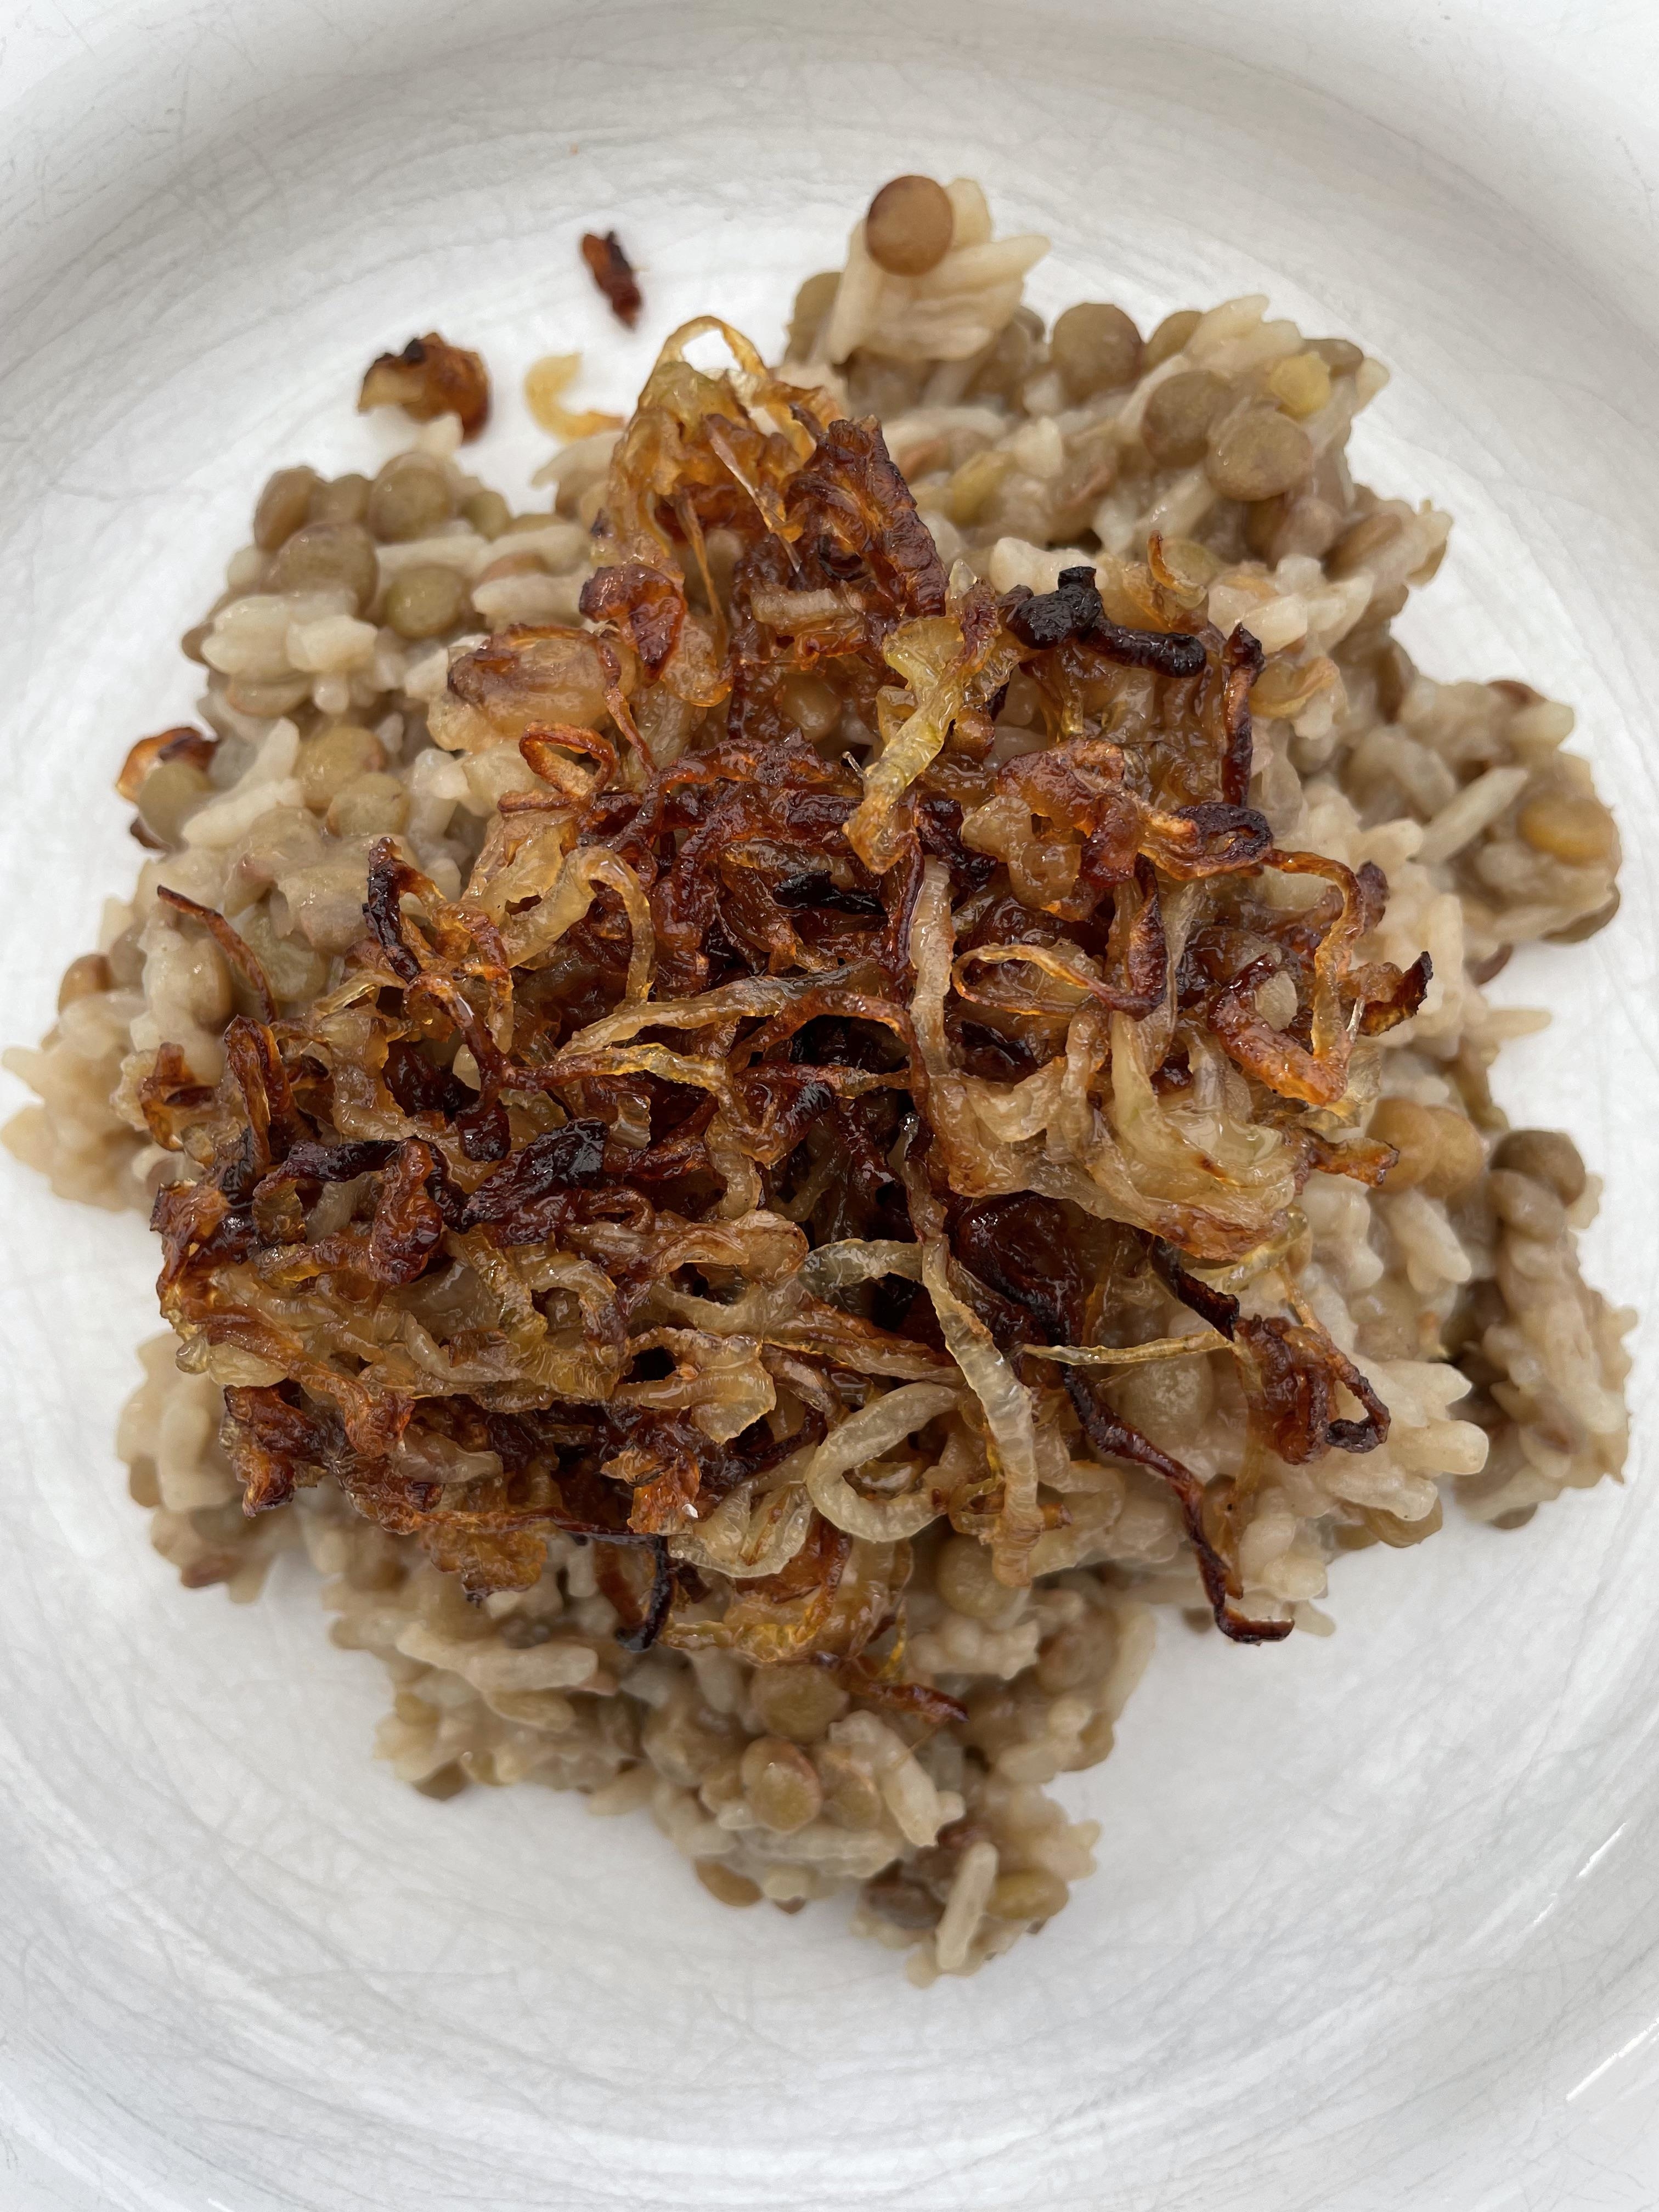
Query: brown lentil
1171, 336
425, 601
1095, 348
813, 706
902, 1900
970, 487
1394, 673
1175, 427
1440, 1149
1096, 1741
513, 564
126, 960
283, 506
171, 791
966, 1580
1389, 1528
488, 512
1578, 832
295, 971
1013, 357
410, 496
725, 1883
328, 556
1301, 384
1364, 538
685, 1742
1081, 1653
372, 805
343, 499
84, 977
796, 1701
995, 1720
782, 1784
909, 228
1291, 522
1548, 1156
850, 1795
334, 758
1089, 473
1588, 925
1030, 1894
1168, 1400
1192, 565
448, 1782
281, 695
1258, 453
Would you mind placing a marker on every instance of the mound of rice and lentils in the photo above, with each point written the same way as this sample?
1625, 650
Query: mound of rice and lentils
784, 1096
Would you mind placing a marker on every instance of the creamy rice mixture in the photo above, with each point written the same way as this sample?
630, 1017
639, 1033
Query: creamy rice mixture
1199, 475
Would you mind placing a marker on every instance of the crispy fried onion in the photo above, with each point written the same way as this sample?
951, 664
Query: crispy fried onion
725, 1178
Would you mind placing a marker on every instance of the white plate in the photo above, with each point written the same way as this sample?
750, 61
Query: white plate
1377, 1921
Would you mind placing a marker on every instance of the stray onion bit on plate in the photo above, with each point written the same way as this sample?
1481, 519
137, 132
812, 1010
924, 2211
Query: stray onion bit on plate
613, 272
780, 1097
544, 380
428, 379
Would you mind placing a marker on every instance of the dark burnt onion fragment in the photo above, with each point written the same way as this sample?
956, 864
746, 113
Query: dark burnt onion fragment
938, 832
613, 272
408, 1227
1045, 619
344, 1163
485, 1130
1073, 609
1113, 1438
1244, 659
1291, 1375
1165, 652
1023, 1249
643, 1632
1391, 995
866, 518
571, 1158
919, 1701
388, 879
1291, 1371
1219, 1308
822, 891
418, 1086
651, 603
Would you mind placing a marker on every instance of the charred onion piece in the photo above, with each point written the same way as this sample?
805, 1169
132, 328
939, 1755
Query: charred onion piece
1073, 609
182, 743
613, 272
429, 378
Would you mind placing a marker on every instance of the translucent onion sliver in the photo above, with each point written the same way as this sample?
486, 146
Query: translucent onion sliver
864, 1436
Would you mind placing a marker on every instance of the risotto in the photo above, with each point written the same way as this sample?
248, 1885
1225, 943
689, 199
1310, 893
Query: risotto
781, 1096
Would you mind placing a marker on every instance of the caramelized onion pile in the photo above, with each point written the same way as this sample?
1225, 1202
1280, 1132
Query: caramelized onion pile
811, 1099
